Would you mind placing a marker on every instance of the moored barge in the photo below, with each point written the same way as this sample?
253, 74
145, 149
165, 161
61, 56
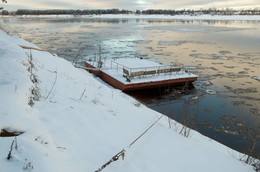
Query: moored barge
129, 74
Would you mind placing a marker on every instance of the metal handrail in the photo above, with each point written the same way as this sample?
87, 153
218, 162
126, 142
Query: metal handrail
144, 68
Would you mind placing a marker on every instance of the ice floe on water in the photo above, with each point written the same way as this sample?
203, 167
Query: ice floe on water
210, 56
212, 92
142, 41
180, 42
192, 28
241, 90
256, 78
248, 54
194, 67
224, 52
169, 43
230, 67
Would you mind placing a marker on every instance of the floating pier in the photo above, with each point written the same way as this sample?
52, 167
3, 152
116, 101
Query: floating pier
129, 74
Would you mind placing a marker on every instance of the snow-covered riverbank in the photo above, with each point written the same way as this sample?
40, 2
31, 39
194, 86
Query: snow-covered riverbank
175, 17
74, 122
184, 17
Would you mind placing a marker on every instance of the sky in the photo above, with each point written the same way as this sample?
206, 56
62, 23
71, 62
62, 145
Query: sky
130, 4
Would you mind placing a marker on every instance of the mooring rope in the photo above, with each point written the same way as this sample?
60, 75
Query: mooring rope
114, 158
122, 152
145, 131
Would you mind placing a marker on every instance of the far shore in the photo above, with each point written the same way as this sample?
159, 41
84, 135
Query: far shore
170, 17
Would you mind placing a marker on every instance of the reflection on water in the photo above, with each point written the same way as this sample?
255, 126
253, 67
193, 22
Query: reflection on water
210, 114
225, 103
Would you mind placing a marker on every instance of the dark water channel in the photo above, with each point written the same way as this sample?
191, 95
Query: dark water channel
212, 115
224, 103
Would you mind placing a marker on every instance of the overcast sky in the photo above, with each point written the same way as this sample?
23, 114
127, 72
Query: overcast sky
129, 4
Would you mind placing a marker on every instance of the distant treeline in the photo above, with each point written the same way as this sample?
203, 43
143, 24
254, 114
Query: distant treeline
211, 11
66, 12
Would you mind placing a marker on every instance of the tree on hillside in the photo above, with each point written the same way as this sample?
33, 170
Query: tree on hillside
4, 1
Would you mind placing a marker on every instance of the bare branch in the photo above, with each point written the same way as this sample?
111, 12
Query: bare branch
82, 94
9, 156
52, 86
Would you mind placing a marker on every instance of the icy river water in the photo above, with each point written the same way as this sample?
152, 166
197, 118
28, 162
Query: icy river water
225, 101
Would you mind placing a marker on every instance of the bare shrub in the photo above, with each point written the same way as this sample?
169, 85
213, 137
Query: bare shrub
55, 80
31, 102
35, 93
185, 131
82, 94
9, 156
28, 166
249, 158
95, 101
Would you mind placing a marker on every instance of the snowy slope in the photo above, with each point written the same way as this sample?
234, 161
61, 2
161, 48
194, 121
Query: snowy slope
73, 122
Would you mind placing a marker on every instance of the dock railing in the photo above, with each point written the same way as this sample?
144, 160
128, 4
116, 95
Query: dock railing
130, 73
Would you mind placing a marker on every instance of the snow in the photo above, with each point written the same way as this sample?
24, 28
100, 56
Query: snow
156, 16
114, 68
79, 123
183, 17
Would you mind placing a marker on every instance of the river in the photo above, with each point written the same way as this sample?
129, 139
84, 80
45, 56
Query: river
225, 101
